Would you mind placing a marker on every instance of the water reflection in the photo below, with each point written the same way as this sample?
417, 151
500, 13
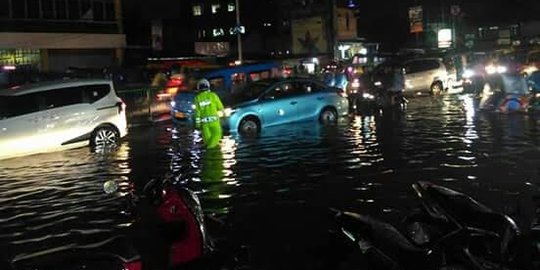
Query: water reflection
275, 189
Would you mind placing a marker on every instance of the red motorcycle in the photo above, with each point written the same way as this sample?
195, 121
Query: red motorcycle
168, 221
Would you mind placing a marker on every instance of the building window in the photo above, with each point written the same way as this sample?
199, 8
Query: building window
110, 14
230, 7
61, 10
197, 10
87, 12
74, 10
216, 32
4, 8
201, 33
215, 8
19, 9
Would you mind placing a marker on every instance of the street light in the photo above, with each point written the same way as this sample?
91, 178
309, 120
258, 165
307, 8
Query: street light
238, 32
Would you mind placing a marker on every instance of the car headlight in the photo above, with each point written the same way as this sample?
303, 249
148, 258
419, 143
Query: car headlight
491, 69
378, 83
228, 112
502, 69
467, 74
537, 95
368, 96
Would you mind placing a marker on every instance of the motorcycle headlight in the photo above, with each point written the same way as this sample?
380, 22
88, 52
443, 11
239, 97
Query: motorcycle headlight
173, 103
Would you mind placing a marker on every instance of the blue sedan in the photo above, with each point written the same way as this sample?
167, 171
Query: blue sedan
278, 101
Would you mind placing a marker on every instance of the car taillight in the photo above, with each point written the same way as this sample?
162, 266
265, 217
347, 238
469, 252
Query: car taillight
135, 265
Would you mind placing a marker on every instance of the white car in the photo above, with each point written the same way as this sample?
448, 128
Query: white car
59, 115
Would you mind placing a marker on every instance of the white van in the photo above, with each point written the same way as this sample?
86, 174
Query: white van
58, 115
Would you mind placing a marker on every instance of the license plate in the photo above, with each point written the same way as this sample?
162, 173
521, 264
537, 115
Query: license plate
180, 115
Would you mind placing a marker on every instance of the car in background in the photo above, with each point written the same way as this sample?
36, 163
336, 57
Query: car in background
532, 63
57, 115
225, 81
422, 75
504, 92
533, 81
276, 101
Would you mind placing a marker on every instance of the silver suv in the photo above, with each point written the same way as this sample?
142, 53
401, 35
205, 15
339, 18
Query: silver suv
425, 75
422, 75
52, 116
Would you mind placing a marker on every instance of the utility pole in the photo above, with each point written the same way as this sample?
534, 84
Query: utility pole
238, 32
332, 28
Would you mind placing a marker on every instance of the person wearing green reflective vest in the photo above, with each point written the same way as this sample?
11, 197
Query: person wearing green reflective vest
208, 109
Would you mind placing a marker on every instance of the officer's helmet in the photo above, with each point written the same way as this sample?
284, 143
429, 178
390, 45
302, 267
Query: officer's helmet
203, 84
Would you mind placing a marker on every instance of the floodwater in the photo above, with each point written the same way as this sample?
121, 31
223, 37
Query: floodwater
274, 191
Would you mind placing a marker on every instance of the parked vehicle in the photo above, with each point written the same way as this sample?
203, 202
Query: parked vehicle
58, 115
504, 93
277, 101
449, 230
226, 81
533, 81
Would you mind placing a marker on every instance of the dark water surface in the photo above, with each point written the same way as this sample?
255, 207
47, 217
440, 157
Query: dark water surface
274, 190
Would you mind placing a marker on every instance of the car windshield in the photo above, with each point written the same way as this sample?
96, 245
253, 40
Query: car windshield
252, 91
534, 80
514, 84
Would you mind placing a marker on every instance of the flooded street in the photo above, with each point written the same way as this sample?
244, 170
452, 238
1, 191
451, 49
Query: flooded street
274, 191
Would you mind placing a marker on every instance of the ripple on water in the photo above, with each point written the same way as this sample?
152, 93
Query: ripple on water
291, 174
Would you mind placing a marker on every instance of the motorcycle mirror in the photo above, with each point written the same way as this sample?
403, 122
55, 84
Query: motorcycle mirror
110, 187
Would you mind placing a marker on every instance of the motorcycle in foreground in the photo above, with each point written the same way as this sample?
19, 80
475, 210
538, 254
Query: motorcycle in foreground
450, 230
165, 214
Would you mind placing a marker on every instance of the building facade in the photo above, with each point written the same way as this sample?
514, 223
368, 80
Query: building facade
52, 35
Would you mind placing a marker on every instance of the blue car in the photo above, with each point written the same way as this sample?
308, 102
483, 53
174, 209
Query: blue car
278, 101
182, 108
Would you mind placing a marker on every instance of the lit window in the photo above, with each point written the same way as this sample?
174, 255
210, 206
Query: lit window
215, 8
218, 32
197, 10
230, 7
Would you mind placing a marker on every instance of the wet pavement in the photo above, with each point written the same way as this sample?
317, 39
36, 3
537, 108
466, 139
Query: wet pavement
274, 191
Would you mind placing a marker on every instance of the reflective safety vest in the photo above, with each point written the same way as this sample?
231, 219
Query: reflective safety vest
207, 107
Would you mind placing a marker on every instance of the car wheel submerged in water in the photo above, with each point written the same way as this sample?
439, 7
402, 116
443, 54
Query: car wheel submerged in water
328, 116
249, 126
104, 137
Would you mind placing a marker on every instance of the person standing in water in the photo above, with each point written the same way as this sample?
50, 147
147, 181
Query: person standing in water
208, 108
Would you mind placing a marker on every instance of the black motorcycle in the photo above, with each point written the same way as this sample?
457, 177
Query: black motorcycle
449, 231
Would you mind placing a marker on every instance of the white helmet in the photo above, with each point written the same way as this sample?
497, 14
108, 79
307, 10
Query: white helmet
203, 84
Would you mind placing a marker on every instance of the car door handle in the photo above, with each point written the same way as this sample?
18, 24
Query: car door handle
293, 102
